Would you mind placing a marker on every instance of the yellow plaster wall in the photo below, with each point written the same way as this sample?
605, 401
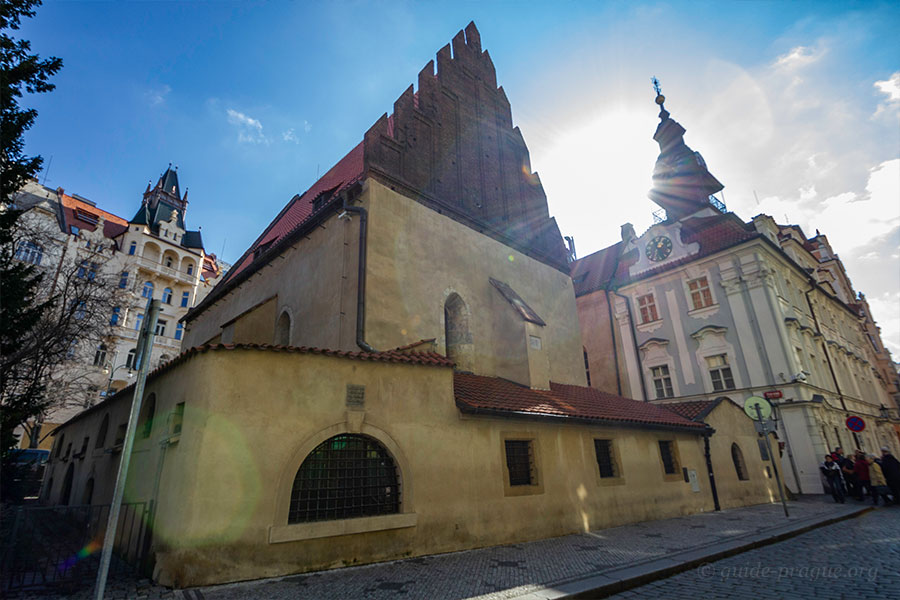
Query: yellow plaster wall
228, 479
258, 324
417, 257
733, 426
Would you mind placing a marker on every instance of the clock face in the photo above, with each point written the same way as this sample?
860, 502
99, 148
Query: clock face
659, 248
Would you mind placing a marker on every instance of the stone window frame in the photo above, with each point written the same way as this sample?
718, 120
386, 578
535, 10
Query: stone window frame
691, 275
676, 475
712, 341
281, 531
652, 308
616, 456
537, 485
655, 353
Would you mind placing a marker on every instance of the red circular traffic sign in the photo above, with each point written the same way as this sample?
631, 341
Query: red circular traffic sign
855, 424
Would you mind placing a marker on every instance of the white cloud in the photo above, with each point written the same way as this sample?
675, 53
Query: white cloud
158, 95
306, 126
289, 136
891, 87
799, 57
249, 129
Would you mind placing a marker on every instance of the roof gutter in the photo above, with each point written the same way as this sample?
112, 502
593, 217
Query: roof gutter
517, 414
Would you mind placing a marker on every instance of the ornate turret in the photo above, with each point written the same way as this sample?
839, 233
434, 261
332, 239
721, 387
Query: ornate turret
681, 182
167, 191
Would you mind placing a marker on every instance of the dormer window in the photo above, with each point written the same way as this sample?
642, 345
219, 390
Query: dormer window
83, 215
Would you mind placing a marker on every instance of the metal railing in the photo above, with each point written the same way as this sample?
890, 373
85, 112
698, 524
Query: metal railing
58, 547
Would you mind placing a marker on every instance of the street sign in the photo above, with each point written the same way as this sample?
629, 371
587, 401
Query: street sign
773, 395
855, 424
750, 407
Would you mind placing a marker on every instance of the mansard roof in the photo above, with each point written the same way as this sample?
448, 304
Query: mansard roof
84, 215
478, 394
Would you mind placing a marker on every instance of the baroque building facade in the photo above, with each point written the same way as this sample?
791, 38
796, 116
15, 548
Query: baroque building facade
151, 255
395, 368
703, 305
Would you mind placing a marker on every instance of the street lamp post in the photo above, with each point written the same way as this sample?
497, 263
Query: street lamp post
112, 373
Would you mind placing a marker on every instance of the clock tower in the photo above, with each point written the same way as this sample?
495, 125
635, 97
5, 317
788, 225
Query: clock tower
682, 184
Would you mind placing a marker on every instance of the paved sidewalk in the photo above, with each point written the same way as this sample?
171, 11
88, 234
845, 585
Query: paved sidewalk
590, 563
551, 568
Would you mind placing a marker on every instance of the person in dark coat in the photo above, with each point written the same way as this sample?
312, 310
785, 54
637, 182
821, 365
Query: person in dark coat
832, 473
890, 466
847, 470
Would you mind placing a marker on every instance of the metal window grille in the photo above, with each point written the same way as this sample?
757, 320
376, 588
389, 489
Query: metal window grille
520, 462
346, 476
604, 451
668, 457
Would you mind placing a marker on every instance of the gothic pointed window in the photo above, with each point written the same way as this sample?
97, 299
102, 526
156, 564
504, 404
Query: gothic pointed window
283, 330
345, 477
739, 466
457, 334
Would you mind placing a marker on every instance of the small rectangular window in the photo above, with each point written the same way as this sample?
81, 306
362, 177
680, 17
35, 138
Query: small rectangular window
520, 462
179, 329
605, 462
647, 306
701, 297
161, 327
662, 381
123, 280
185, 297
720, 372
667, 453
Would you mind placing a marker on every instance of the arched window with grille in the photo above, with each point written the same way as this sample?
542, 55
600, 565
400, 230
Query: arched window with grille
345, 477
740, 467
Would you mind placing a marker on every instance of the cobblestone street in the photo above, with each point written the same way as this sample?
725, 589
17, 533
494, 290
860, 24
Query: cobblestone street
855, 559
552, 568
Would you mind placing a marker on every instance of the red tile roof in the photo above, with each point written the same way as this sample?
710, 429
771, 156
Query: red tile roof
347, 171
112, 225
713, 234
695, 410
492, 395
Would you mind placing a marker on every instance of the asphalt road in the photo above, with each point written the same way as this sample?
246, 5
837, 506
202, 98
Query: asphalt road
857, 559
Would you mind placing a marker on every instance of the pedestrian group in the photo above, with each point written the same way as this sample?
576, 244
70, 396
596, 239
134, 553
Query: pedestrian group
862, 476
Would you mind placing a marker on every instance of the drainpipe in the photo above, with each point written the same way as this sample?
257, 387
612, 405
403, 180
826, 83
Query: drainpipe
709, 468
612, 327
637, 352
834, 378
361, 275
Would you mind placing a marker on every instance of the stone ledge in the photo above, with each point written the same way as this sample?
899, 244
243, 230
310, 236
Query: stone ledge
308, 531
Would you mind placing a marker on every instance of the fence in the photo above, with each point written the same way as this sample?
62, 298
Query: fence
59, 546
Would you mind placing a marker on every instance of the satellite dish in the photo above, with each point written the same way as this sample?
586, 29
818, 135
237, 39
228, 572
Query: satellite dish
765, 409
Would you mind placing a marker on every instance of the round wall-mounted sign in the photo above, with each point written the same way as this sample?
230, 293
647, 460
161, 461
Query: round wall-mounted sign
855, 424
765, 409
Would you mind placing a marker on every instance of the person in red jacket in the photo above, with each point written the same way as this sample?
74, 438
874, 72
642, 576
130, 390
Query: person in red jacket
861, 470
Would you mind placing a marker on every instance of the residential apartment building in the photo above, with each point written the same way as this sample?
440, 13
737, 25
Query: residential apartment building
703, 305
151, 255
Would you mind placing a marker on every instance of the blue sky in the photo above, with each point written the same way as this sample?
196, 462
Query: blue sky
794, 105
